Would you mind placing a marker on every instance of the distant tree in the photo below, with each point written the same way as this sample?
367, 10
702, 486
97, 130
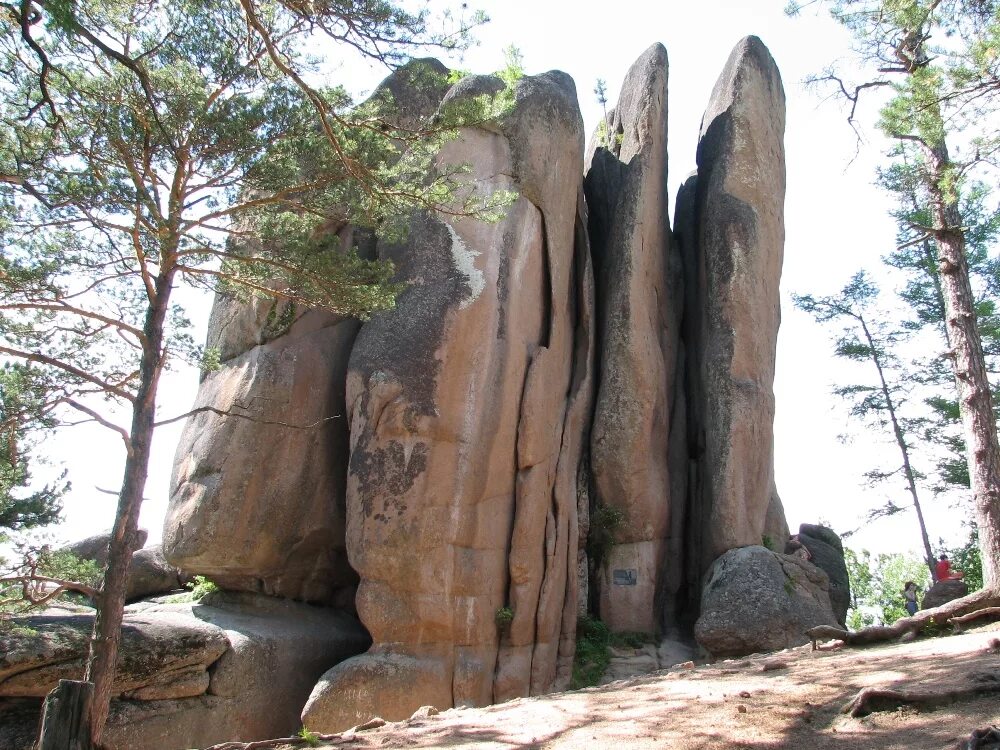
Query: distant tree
865, 337
877, 586
23, 411
146, 145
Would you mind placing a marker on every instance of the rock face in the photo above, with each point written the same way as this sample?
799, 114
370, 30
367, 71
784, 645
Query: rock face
732, 236
574, 363
637, 277
162, 657
943, 592
258, 503
758, 600
467, 405
192, 674
827, 553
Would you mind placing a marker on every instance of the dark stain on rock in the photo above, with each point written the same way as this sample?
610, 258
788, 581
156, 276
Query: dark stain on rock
385, 473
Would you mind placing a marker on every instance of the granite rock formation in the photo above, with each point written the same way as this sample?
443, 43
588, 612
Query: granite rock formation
733, 242
943, 592
466, 406
637, 277
233, 666
576, 361
826, 552
758, 600
258, 500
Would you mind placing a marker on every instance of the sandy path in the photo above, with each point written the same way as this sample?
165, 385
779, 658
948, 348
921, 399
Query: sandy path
730, 704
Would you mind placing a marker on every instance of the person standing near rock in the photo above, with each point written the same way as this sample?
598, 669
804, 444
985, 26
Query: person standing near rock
910, 595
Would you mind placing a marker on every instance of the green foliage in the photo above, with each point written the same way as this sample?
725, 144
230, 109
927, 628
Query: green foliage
593, 641
24, 407
767, 542
201, 587
593, 650
310, 738
877, 585
504, 617
968, 558
44, 561
605, 521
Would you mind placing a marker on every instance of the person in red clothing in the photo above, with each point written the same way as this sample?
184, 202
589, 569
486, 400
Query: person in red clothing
943, 571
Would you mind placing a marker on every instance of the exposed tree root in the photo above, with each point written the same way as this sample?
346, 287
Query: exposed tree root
909, 627
330, 739
871, 700
958, 623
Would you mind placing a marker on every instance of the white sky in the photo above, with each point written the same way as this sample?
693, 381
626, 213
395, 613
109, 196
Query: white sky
836, 222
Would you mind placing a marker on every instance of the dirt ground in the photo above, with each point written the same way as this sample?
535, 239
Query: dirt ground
791, 699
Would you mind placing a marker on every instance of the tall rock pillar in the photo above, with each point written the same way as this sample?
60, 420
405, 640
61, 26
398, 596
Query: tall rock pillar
732, 235
637, 276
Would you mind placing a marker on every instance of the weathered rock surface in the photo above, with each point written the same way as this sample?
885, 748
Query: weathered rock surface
166, 656
637, 277
943, 592
467, 404
827, 553
271, 654
733, 246
258, 502
758, 600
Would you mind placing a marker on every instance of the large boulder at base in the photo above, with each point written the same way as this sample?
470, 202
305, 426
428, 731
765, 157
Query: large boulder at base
637, 276
733, 252
257, 500
467, 405
273, 654
757, 600
149, 573
943, 592
826, 552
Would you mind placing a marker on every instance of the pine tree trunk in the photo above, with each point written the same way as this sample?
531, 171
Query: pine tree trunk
974, 398
904, 449
106, 637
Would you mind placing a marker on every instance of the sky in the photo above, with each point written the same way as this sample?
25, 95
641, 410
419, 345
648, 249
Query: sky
836, 223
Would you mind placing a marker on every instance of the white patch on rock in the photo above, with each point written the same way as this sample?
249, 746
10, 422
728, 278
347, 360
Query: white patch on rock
465, 261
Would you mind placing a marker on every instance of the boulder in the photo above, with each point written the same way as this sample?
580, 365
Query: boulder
943, 592
273, 652
732, 237
149, 573
827, 553
757, 600
167, 656
638, 281
257, 499
466, 406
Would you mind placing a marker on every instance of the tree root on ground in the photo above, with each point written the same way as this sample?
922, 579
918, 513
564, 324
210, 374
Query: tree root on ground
871, 700
968, 608
329, 739
958, 622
